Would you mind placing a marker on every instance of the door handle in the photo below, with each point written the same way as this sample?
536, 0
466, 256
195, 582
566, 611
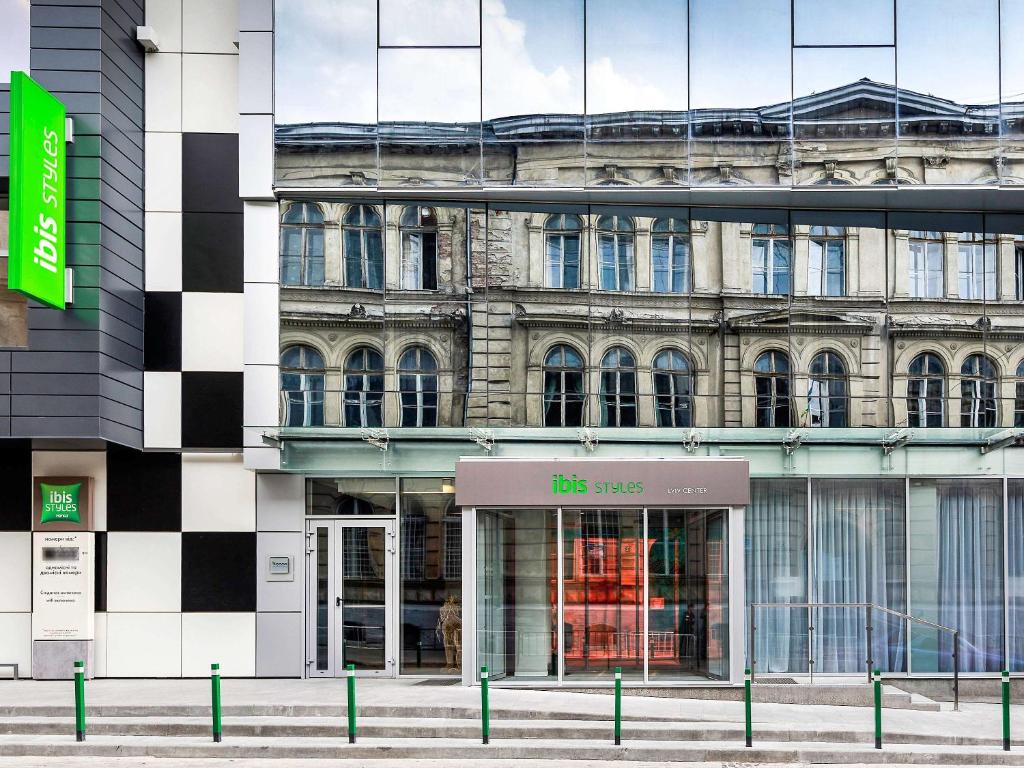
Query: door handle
337, 602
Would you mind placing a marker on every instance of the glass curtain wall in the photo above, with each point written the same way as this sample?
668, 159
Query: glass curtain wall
431, 579
936, 554
859, 556
688, 594
1015, 573
956, 572
776, 563
604, 552
517, 585
629, 598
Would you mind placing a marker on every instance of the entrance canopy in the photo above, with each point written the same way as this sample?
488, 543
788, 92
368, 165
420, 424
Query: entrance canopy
669, 482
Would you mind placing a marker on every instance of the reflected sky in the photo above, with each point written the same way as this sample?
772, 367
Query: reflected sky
14, 30
325, 63
1012, 19
819, 69
439, 22
840, 22
633, 63
533, 55
950, 48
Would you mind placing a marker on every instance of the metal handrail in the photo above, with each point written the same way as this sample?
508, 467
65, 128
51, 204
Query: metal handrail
869, 629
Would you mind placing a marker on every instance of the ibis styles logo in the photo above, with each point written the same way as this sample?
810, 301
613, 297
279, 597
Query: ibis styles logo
578, 486
60, 503
37, 199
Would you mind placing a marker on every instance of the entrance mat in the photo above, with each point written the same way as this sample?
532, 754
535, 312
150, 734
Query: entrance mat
776, 681
440, 681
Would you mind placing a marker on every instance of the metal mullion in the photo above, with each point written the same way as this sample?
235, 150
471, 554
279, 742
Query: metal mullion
1006, 573
560, 595
906, 523
647, 601
810, 570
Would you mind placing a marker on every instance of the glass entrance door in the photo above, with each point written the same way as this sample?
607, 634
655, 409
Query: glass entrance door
571, 594
688, 603
350, 597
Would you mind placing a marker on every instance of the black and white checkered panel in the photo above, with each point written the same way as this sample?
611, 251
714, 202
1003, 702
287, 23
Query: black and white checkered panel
179, 552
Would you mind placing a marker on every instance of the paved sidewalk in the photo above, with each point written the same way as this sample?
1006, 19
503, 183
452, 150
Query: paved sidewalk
406, 696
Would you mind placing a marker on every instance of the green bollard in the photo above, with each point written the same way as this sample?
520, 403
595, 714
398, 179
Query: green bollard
746, 706
215, 701
351, 672
485, 709
876, 677
79, 701
1006, 710
618, 706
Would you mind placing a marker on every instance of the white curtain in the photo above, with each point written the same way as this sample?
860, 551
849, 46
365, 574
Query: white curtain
776, 572
859, 553
970, 561
1015, 538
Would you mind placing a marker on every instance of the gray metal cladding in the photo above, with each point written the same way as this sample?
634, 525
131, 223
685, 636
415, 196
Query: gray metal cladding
81, 375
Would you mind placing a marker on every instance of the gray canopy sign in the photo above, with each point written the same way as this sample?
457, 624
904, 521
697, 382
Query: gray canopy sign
719, 482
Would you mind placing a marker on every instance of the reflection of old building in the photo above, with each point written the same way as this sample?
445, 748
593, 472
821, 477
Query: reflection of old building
848, 136
632, 317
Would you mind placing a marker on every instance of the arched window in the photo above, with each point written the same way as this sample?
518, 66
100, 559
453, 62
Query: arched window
770, 254
418, 227
827, 394
302, 245
927, 265
302, 387
771, 387
364, 388
670, 256
1018, 407
618, 388
977, 266
615, 253
826, 263
417, 387
563, 387
926, 391
562, 251
673, 389
978, 382
363, 248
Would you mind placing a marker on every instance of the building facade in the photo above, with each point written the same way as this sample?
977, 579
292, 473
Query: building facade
547, 336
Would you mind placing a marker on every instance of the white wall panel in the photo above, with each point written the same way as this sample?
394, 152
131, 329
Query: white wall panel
211, 331
161, 397
163, 92
16, 641
15, 571
280, 502
280, 645
163, 172
228, 639
209, 94
143, 571
144, 644
163, 251
217, 493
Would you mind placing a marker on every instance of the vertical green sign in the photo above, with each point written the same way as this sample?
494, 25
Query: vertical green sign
37, 228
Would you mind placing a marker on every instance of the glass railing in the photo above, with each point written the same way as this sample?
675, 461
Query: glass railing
807, 417
842, 638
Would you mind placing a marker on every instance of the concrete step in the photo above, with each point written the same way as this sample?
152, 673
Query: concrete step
301, 710
458, 750
402, 728
843, 695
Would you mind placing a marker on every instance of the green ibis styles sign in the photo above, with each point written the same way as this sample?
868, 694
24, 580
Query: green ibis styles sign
60, 503
38, 180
